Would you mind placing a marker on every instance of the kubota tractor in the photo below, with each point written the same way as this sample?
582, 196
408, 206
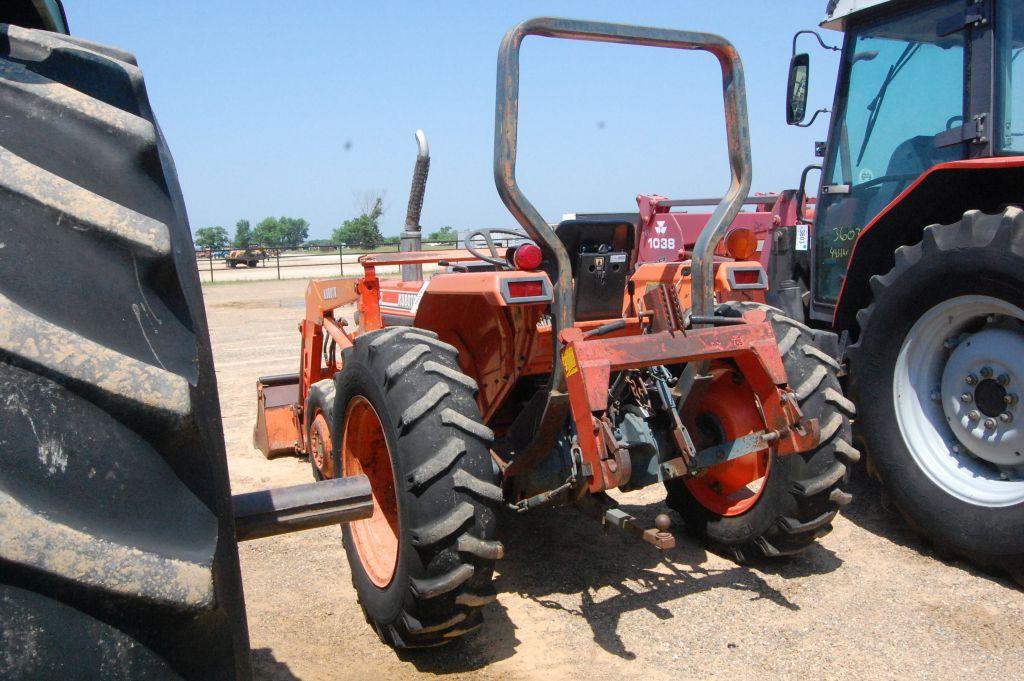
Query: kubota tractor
914, 254
553, 371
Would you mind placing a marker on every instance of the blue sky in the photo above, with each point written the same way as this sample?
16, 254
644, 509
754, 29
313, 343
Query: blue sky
298, 112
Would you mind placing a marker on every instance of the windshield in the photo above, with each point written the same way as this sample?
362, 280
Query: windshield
902, 85
1011, 70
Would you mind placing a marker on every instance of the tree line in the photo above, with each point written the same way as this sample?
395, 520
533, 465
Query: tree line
285, 232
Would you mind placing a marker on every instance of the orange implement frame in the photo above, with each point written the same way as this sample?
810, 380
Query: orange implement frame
589, 363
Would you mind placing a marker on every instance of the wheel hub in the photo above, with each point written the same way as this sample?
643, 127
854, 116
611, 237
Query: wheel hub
979, 398
960, 358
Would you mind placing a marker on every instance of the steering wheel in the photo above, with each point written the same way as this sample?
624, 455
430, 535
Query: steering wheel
486, 235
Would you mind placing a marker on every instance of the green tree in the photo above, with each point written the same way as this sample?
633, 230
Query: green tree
243, 234
363, 231
212, 237
281, 232
446, 233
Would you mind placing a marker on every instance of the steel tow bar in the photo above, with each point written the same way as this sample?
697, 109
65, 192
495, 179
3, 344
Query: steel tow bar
301, 507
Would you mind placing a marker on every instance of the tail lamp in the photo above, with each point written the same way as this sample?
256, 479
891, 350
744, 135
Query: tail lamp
527, 256
741, 243
533, 290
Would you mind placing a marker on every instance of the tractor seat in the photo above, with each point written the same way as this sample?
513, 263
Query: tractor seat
599, 251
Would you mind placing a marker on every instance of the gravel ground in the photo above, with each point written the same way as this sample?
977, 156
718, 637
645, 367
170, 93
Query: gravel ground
869, 601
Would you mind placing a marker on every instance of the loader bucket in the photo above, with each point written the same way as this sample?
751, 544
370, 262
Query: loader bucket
277, 427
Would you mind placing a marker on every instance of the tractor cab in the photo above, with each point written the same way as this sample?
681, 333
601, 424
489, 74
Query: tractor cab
920, 85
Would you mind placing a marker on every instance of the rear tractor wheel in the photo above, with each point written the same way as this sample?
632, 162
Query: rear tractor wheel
938, 370
117, 542
763, 504
407, 418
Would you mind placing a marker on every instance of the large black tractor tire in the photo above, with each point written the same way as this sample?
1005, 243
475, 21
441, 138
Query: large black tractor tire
444, 484
117, 546
966, 505
802, 492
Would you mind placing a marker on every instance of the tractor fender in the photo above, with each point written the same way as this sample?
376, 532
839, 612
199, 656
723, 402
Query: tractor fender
941, 195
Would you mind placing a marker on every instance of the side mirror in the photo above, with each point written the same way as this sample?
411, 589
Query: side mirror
796, 88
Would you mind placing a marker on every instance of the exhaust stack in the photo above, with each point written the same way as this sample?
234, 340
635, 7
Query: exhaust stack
412, 238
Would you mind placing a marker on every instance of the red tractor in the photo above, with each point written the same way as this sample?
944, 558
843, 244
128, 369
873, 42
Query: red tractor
554, 370
914, 254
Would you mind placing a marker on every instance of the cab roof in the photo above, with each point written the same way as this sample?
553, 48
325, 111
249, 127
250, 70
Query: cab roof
837, 11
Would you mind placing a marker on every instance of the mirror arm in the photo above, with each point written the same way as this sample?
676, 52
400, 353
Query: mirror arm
813, 117
817, 35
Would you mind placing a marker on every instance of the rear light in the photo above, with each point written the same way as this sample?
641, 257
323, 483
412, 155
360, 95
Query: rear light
527, 257
526, 290
741, 243
747, 276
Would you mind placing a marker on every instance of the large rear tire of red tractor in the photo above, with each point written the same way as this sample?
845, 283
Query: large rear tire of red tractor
117, 544
406, 417
938, 372
766, 505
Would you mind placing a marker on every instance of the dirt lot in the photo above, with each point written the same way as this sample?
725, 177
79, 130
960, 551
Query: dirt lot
870, 601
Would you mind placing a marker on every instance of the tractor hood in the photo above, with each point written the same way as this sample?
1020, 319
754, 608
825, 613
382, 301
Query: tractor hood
837, 11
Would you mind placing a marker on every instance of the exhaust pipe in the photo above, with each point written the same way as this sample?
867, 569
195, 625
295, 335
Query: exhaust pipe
412, 237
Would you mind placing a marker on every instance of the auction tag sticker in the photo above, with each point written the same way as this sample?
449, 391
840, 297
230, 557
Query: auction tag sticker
802, 237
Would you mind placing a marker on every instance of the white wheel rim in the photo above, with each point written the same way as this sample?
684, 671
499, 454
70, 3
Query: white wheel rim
957, 450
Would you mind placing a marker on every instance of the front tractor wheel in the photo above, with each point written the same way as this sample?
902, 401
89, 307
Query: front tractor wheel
320, 416
764, 504
938, 371
407, 418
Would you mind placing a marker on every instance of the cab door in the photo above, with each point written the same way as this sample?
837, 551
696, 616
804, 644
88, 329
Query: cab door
900, 108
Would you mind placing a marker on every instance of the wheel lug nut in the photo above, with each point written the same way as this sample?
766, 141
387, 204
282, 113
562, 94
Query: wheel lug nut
974, 415
1006, 417
971, 379
949, 343
986, 372
1003, 379
1010, 398
990, 424
957, 449
966, 398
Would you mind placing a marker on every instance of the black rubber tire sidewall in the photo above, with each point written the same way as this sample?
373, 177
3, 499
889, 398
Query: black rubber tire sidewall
318, 400
946, 274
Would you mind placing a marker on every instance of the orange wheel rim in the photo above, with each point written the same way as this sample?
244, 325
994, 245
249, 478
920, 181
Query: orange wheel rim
364, 451
733, 487
320, 445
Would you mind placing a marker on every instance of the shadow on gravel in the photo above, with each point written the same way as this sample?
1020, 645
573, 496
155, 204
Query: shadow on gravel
868, 513
266, 667
560, 552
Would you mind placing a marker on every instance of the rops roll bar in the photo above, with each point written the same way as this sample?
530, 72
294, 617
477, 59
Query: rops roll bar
506, 122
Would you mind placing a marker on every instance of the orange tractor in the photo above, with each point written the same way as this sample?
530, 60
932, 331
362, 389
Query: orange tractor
552, 371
